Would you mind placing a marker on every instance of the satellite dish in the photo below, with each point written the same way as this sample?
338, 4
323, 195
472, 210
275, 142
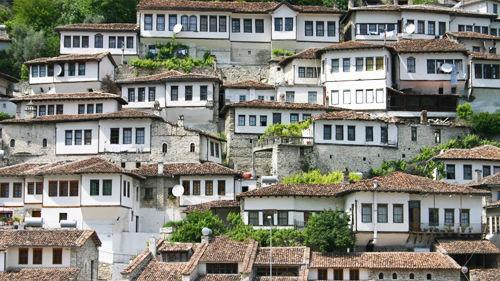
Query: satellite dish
178, 190
446, 68
177, 28
464, 269
58, 69
410, 28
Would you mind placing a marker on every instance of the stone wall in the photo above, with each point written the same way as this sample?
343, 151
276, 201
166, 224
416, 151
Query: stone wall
86, 258
419, 275
238, 73
290, 159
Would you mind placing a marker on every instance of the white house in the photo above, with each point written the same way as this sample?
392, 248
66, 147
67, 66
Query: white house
119, 39
470, 165
482, 6
6, 88
476, 42
484, 81
247, 91
55, 254
71, 72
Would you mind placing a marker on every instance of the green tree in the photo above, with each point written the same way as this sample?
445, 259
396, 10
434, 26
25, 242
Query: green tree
189, 229
329, 231
38, 14
4, 116
315, 177
464, 111
116, 11
486, 124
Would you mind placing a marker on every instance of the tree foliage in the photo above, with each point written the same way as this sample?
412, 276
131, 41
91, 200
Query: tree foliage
189, 229
484, 123
316, 177
329, 231
288, 130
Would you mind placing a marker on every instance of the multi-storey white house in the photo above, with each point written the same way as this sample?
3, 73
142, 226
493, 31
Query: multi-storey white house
119, 39
470, 165
482, 6
247, 91
70, 73
484, 81
6, 89
476, 42
387, 211
43, 254
238, 32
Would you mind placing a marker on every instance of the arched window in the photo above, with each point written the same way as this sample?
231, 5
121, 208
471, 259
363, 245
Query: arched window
410, 64
429, 276
44, 143
412, 276
98, 41
191, 147
380, 275
185, 22
164, 148
193, 23
394, 276
12, 142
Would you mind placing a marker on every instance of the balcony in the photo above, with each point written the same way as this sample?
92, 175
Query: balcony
447, 229
398, 101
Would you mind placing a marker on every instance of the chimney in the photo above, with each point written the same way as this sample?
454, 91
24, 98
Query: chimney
346, 176
152, 246
423, 117
180, 121
160, 168
479, 175
206, 235
350, 4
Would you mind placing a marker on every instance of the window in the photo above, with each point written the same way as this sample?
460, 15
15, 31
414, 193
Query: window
12, 143
322, 274
382, 213
241, 120
242, 98
467, 172
193, 23
312, 97
52, 188
263, 120
397, 213
302, 72
139, 135
431, 66
4, 190
288, 24
23, 256
209, 188
172, 21
282, 217
222, 24
56, 255
421, 27
127, 135
252, 120
151, 94
495, 8
268, 217
338, 274
164, 148
203, 92
63, 188
379, 63
236, 25
381, 276
130, 42
34, 71
309, 30
196, 187
174, 93
351, 133
112, 42
71, 69
437, 136
212, 23
185, 22
259, 26
346, 95
450, 171
278, 24
289, 96
330, 29
433, 217
192, 147
320, 28
394, 276
384, 135
67, 42
73, 188
87, 137
449, 216
294, 117
141, 94
431, 27
335, 65
276, 118
414, 133
253, 218
429, 276
42, 110
76, 41
98, 108
68, 137
221, 187
360, 64
30, 188
464, 217
17, 190
486, 170
90, 109
327, 132
37, 255
339, 132
346, 64
43, 70
78, 137
353, 274
369, 64
188, 94
247, 25
115, 136
130, 96
187, 187
148, 22
442, 28
366, 213
98, 41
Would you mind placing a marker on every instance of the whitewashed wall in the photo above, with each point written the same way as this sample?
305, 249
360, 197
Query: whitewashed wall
181, 102
13, 254
105, 131
202, 198
91, 49
282, 12
302, 18
360, 132
301, 93
57, 201
476, 165
62, 148
71, 107
233, 95
160, 95
11, 201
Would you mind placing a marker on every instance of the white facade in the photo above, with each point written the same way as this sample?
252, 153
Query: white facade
223, 188
211, 150
301, 94
92, 42
12, 258
468, 171
238, 95
141, 95
69, 107
11, 192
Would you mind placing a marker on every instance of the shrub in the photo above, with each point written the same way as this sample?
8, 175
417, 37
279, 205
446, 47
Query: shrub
282, 53
329, 231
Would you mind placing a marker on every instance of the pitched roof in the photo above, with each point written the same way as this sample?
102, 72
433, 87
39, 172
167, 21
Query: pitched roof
99, 27
485, 56
467, 247
167, 246
483, 152
142, 258
217, 204
354, 115
305, 190
220, 277
383, 260
349, 45
472, 35
8, 77
70, 96
93, 165
278, 105
490, 274
171, 75
73, 58
122, 114
178, 169
41, 274
47, 238
282, 256
307, 54
491, 179
157, 270
19, 170
230, 6
443, 45
422, 8
223, 249
249, 84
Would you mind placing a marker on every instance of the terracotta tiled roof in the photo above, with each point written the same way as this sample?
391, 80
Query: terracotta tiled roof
99, 27
178, 169
490, 274
492, 179
484, 152
20, 169
307, 54
142, 258
249, 84
472, 35
349, 45
192, 265
282, 256
122, 114
306, 190
156, 271
443, 45
276, 278
467, 247
494, 204
41, 274
354, 115
213, 205
422, 8
383, 260
171, 75
8, 77
73, 58
220, 277
70, 96
229, 6
225, 250
166, 246
279, 105
47, 238
485, 56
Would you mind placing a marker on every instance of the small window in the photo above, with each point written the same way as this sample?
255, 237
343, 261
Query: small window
394, 276
413, 133
12, 143
410, 65
192, 147
429, 276
369, 134
196, 187
164, 148
381, 276
203, 92
98, 41
209, 188
221, 187
94, 187
23, 256
107, 187
366, 213
412, 276
56, 255
37, 256
188, 93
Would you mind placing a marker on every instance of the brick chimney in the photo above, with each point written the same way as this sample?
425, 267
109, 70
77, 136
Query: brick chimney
423, 117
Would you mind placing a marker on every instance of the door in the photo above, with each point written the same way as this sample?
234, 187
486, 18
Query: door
136, 223
414, 213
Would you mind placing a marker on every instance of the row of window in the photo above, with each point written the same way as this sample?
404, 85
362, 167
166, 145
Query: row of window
17, 190
467, 171
320, 28
49, 109
37, 256
141, 94
194, 187
312, 96
278, 24
362, 96
244, 98
63, 188
434, 65
189, 23
309, 72
188, 93
374, 28
486, 71
248, 25
78, 137
449, 217
114, 42
431, 27
252, 120
35, 188
382, 213
48, 70
90, 108
476, 28
127, 135
351, 133
268, 218
338, 274
362, 64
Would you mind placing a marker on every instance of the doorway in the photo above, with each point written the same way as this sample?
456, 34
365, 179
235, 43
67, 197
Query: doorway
414, 215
